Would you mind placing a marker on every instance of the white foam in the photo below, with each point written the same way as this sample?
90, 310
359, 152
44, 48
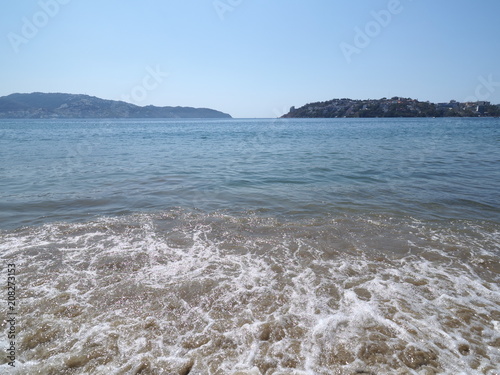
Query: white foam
205, 291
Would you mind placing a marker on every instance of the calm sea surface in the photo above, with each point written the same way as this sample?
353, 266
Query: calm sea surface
305, 246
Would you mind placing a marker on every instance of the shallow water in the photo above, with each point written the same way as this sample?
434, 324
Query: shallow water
253, 247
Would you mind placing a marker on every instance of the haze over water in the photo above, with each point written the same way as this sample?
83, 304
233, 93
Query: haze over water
311, 246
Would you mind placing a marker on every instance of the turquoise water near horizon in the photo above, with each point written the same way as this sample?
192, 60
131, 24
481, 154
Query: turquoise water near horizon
80, 169
253, 246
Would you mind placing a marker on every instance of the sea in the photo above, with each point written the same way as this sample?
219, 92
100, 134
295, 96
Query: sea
250, 246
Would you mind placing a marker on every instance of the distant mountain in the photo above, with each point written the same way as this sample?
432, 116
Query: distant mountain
394, 107
44, 105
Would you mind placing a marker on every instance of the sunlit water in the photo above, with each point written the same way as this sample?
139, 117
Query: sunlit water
337, 246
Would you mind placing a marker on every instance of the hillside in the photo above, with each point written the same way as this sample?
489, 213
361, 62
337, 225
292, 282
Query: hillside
57, 105
394, 107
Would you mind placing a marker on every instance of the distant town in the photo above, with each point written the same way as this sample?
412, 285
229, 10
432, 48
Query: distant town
394, 107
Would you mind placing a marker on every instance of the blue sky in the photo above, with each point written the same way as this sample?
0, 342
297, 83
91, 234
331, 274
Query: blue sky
252, 58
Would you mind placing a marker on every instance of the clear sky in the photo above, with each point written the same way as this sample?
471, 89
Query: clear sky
252, 58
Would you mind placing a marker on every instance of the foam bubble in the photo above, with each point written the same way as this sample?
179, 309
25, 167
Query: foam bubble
186, 293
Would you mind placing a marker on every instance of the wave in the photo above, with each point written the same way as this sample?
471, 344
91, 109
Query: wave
184, 292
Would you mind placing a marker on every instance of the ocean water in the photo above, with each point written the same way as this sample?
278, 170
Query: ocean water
304, 246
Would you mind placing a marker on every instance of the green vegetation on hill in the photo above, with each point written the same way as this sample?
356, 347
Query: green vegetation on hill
42, 105
394, 107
